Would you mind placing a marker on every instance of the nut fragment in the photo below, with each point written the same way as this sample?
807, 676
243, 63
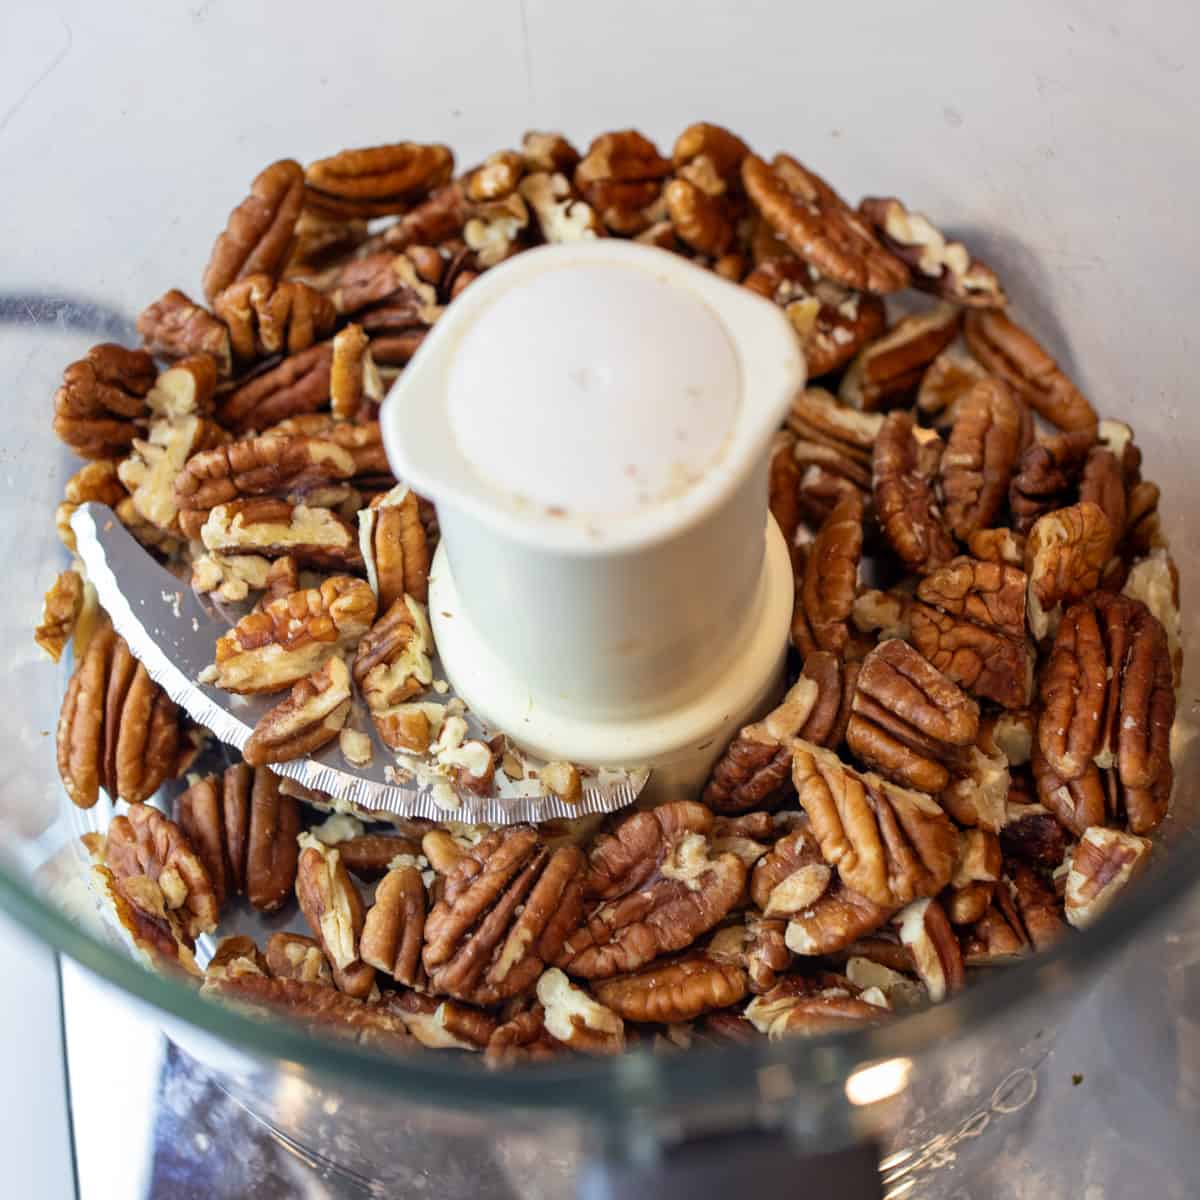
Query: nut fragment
889, 368
925, 930
294, 956
60, 610
1014, 356
946, 381
1154, 580
1064, 556
391, 666
394, 926
978, 795
1105, 861
577, 1020
985, 441
998, 546
260, 230
680, 990
174, 326
561, 215
904, 497
231, 577
522, 1038
797, 1005
334, 911
355, 389
152, 469
561, 779
819, 226
976, 871
890, 844
282, 642
377, 181
1037, 906
1031, 834
700, 220
940, 266
838, 919
908, 720
1046, 476
817, 416
792, 877
621, 178
94, 482
117, 729
272, 528
507, 904
100, 399
395, 547
312, 716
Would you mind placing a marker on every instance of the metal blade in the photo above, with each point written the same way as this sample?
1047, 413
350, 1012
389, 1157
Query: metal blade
173, 632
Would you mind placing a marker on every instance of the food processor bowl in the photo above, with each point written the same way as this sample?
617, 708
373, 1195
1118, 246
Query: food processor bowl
1053, 138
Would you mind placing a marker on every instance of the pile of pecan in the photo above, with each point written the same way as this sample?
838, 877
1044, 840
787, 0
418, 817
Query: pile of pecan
970, 755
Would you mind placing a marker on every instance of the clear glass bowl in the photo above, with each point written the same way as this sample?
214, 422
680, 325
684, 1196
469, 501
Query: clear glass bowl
1049, 137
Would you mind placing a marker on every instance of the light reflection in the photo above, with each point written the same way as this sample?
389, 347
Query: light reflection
880, 1081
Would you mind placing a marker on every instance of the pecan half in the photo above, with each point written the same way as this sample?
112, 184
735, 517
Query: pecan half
395, 547
833, 322
820, 226
145, 843
987, 593
940, 266
836, 683
394, 927
334, 911
575, 1019
377, 181
355, 389
391, 666
1047, 476
1104, 862
946, 381
677, 991
506, 907
792, 877
174, 326
988, 434
321, 243
61, 608
361, 440
925, 931
825, 597
267, 317
260, 231
297, 385
904, 497
800, 1006
1064, 555
837, 920
621, 177
259, 829
294, 956
1013, 355
659, 889
1103, 484
817, 416
908, 719
311, 717
199, 814
888, 369
101, 398
783, 485
274, 528
117, 729
756, 764
1108, 699
890, 844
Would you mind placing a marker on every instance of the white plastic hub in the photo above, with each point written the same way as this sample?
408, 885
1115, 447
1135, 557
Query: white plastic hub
596, 390
593, 423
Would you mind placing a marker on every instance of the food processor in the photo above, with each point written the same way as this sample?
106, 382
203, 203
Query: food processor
1051, 138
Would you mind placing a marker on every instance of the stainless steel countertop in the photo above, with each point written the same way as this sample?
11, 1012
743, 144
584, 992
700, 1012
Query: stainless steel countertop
1115, 1112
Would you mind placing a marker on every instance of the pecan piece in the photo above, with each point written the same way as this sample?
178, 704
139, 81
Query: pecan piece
174, 326
908, 719
621, 177
1013, 355
575, 1019
820, 226
494, 230
987, 593
560, 213
235, 956
61, 608
1047, 475
1064, 556
700, 220
825, 597
198, 811
822, 1004
890, 844
1104, 862
94, 481
792, 877
783, 485
282, 642
377, 181
676, 991
1154, 580
391, 666
260, 231
1103, 484
986, 439
925, 931
756, 764
266, 317
887, 370
940, 266
522, 1038
1108, 697
334, 911
998, 546
355, 389
100, 399
294, 956
548, 152
1037, 906
273, 528
833, 322
836, 683
817, 416
145, 843
297, 385
231, 577
946, 381
999, 936
659, 889
711, 151
976, 871
395, 547
117, 729
321, 243
904, 497
506, 907
259, 829
1031, 834
394, 927
978, 793
311, 717
361, 440
837, 920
